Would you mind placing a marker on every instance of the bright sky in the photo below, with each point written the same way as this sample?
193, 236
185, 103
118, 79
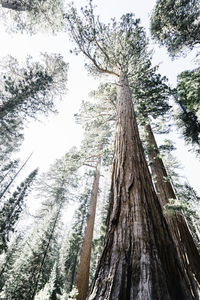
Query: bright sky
53, 136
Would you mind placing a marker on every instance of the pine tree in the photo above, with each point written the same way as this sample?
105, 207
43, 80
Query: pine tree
97, 138
31, 269
47, 291
7, 171
176, 24
82, 277
26, 93
151, 95
6, 185
187, 97
100, 225
10, 212
31, 89
139, 259
71, 245
177, 224
34, 15
8, 258
24, 278
187, 200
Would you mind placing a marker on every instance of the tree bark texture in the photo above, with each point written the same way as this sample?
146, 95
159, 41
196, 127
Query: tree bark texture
139, 260
186, 247
82, 278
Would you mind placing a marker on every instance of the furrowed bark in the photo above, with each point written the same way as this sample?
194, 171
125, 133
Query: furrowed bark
139, 260
82, 278
186, 247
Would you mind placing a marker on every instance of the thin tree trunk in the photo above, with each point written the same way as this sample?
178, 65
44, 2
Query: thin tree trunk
33, 290
82, 278
187, 250
12, 180
74, 271
139, 260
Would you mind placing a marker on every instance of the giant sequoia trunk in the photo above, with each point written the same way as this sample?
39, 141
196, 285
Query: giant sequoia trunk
139, 260
178, 227
82, 278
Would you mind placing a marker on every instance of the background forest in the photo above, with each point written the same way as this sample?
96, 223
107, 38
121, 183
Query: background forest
99, 149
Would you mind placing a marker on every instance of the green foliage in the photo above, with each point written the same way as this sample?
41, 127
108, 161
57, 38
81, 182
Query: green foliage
112, 48
187, 200
47, 291
30, 273
188, 88
33, 16
97, 117
97, 245
176, 24
186, 203
8, 258
7, 171
10, 212
24, 278
72, 242
187, 97
32, 89
27, 92
73, 294
150, 93
61, 179
189, 125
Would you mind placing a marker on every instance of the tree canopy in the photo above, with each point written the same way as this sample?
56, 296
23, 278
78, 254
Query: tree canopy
187, 97
33, 15
176, 24
111, 48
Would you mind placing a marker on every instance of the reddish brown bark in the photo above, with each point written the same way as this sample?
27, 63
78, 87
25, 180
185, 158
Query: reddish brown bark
82, 278
139, 260
186, 247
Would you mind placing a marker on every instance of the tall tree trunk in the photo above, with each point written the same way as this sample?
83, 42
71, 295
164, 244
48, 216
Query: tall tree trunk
12, 179
38, 269
187, 250
82, 278
139, 260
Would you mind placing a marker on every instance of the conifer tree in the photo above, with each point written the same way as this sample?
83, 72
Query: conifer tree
139, 259
151, 94
82, 277
187, 97
71, 245
10, 212
24, 278
98, 135
186, 201
100, 225
176, 24
6, 186
34, 15
177, 224
27, 92
8, 258
47, 291
31, 269
7, 170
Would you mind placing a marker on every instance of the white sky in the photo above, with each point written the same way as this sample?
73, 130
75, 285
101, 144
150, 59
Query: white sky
53, 136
